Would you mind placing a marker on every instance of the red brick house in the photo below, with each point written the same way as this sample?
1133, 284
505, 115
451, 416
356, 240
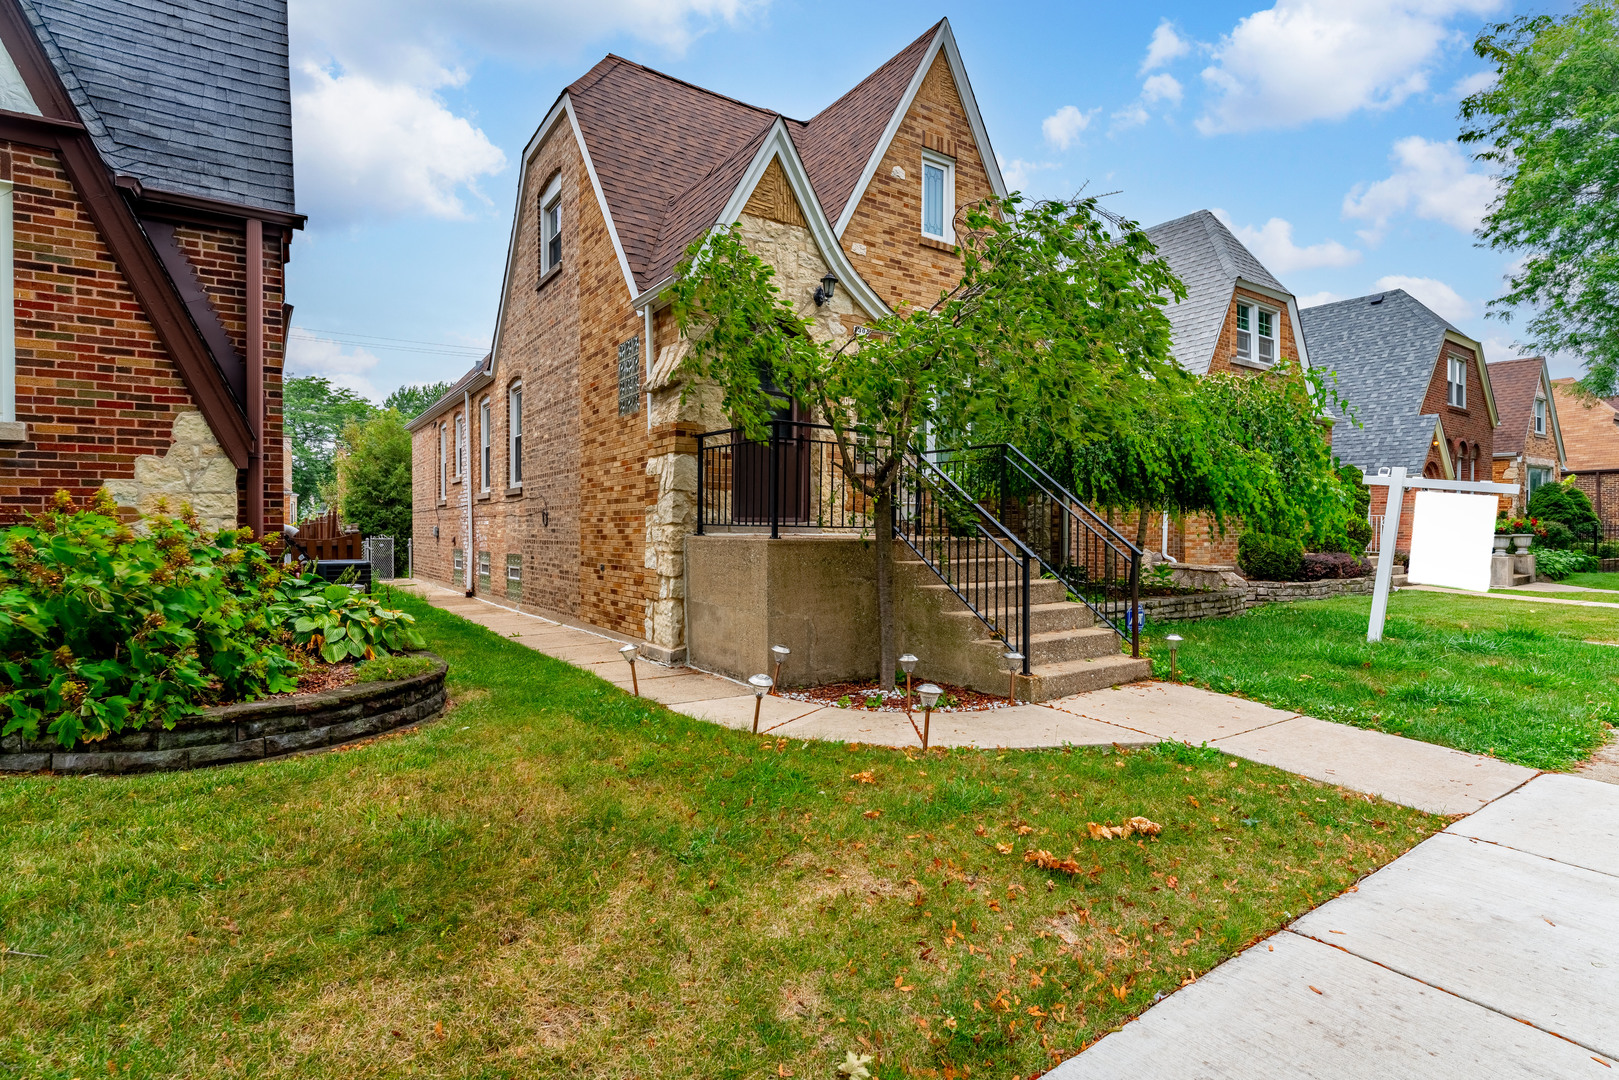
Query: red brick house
1590, 427
146, 208
559, 475
1529, 440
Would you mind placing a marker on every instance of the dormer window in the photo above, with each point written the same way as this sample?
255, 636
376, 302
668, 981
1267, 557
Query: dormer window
1256, 334
551, 227
938, 197
1456, 382
1540, 415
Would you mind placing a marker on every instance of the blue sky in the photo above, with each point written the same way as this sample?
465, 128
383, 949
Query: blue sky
1322, 130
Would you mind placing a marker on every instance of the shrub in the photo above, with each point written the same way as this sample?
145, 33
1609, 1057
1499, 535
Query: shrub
1557, 564
342, 624
1267, 557
1333, 564
1608, 549
1555, 535
1566, 504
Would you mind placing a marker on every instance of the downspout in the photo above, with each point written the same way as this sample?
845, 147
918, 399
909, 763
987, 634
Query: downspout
466, 493
255, 375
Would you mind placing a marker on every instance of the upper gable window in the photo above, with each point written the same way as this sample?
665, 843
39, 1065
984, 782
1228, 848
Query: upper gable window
1540, 415
551, 227
938, 197
1456, 382
1256, 334
483, 444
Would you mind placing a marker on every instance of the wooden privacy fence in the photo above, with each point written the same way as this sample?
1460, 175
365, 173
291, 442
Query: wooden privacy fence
323, 538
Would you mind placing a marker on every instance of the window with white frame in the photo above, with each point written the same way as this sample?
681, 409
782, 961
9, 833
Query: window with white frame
1540, 415
484, 449
443, 462
1456, 382
551, 227
938, 197
461, 447
8, 321
1256, 334
514, 438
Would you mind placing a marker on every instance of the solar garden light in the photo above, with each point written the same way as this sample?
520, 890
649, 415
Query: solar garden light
1174, 643
781, 653
1014, 661
760, 684
929, 695
629, 653
907, 664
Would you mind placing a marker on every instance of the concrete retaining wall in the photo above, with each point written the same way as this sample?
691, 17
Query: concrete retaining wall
250, 731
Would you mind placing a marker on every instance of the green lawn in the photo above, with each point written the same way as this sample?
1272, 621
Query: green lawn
1587, 598
557, 879
1516, 680
1594, 581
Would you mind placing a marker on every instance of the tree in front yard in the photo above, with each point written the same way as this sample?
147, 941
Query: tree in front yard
316, 414
1056, 324
373, 476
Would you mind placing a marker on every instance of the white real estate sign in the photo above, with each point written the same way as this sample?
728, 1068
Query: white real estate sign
1452, 540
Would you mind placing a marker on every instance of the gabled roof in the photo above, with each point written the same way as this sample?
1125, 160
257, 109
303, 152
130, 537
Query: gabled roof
1590, 428
1516, 384
1210, 262
1384, 349
186, 96
475, 379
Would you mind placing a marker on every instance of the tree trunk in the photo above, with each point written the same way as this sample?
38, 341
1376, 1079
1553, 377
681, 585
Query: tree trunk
1141, 527
885, 586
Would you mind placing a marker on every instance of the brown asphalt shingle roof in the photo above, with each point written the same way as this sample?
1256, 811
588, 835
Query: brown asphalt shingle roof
1515, 383
1590, 429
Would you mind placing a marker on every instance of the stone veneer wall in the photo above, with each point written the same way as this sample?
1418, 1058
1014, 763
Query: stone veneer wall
1234, 599
250, 731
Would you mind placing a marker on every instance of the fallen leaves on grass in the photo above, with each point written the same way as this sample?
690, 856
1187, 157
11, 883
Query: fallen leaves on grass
1045, 860
854, 1066
864, 777
872, 814
1136, 825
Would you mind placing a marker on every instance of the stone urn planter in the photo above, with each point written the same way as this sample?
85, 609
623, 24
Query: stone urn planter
1503, 541
1521, 541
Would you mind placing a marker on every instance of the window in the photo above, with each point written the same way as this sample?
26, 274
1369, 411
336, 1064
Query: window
1540, 415
1256, 334
629, 377
514, 576
483, 569
461, 447
443, 463
551, 227
1456, 387
938, 197
458, 567
1538, 477
514, 439
483, 445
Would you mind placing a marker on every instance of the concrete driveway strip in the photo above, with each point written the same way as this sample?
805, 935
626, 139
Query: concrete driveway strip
1291, 1008
1516, 933
1173, 711
1567, 818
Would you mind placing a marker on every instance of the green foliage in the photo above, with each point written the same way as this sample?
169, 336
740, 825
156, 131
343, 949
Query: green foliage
1267, 557
374, 476
411, 401
1550, 124
392, 668
103, 629
316, 414
1567, 505
1557, 565
1554, 534
340, 623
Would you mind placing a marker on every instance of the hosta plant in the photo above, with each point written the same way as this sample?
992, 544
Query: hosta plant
342, 624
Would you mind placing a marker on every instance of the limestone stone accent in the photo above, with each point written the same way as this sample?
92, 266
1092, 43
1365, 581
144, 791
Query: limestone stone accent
667, 524
791, 252
194, 472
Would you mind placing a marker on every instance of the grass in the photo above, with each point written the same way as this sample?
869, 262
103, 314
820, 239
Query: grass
1584, 598
391, 668
557, 879
1594, 581
1515, 680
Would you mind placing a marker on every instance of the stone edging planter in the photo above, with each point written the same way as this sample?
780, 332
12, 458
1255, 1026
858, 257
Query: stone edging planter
1235, 599
250, 731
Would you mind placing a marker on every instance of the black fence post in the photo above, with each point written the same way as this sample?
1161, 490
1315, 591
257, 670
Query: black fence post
1135, 603
1028, 641
700, 456
771, 486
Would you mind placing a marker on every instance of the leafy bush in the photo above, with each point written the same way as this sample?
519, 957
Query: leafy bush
1555, 535
1558, 565
1566, 504
1267, 557
1332, 564
1520, 525
1608, 549
341, 624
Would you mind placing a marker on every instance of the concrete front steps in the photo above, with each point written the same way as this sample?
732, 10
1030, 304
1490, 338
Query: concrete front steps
1069, 652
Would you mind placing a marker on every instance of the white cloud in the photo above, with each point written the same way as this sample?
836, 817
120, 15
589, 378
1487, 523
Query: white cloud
1162, 87
1446, 302
1316, 299
1433, 180
1017, 173
1305, 60
1272, 244
1469, 85
1133, 115
1063, 127
342, 365
1166, 45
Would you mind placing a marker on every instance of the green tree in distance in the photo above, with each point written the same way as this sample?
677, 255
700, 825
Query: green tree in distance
316, 414
374, 476
411, 401
1550, 125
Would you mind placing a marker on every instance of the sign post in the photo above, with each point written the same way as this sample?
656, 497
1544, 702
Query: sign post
1398, 483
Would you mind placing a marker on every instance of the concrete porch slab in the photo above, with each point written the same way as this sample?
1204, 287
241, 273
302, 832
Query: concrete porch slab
1173, 711
1292, 1008
737, 712
1513, 932
1567, 818
1418, 774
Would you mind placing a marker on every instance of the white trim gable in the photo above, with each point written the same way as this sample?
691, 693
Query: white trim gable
945, 40
1551, 410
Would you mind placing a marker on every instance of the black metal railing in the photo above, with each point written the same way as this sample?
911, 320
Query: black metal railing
1072, 542
796, 479
983, 563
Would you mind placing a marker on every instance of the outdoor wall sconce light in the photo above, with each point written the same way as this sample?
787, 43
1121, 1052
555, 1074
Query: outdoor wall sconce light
929, 695
760, 684
781, 653
828, 286
1174, 643
907, 664
629, 653
1014, 661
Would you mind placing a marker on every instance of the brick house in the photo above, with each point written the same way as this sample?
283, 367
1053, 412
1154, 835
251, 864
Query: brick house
1236, 318
146, 208
1418, 386
1529, 440
1590, 428
559, 474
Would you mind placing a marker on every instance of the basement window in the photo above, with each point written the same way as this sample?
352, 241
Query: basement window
514, 575
938, 197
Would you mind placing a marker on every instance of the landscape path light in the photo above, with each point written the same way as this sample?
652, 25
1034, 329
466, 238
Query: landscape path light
1014, 661
629, 653
1174, 643
760, 684
929, 695
907, 664
780, 652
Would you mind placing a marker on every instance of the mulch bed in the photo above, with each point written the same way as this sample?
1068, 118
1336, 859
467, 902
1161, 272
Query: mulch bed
322, 677
866, 696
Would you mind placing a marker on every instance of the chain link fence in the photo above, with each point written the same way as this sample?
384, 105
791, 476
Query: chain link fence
379, 552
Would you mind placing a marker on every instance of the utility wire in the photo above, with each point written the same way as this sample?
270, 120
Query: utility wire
389, 344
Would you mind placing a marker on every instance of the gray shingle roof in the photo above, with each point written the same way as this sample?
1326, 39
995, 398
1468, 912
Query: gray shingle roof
1208, 260
188, 96
1383, 348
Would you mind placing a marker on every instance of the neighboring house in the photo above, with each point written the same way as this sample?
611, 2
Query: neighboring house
1590, 427
1420, 392
146, 208
559, 475
1236, 317
1529, 440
